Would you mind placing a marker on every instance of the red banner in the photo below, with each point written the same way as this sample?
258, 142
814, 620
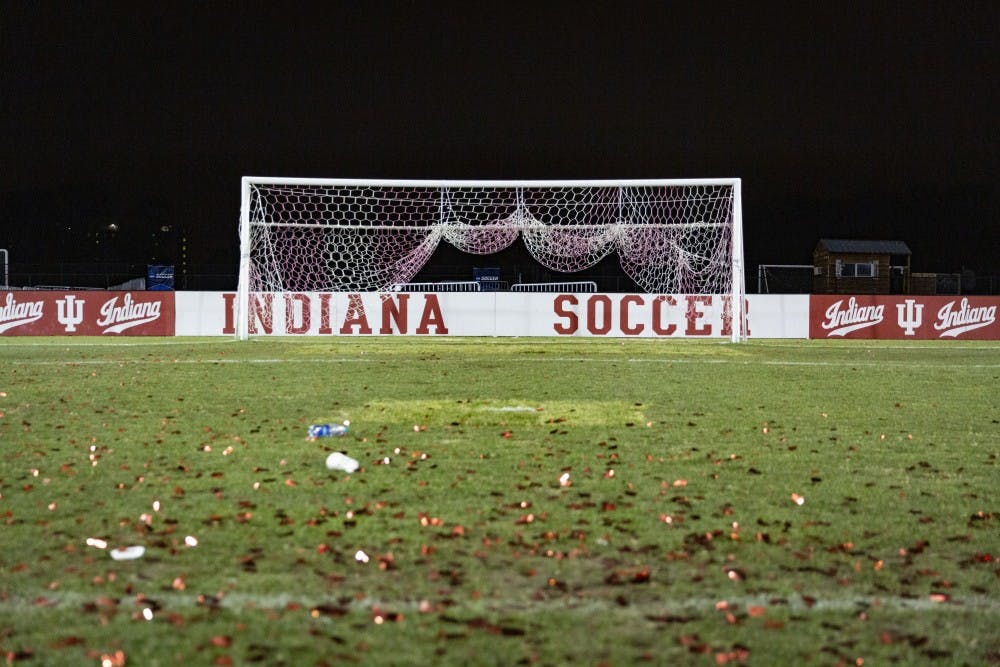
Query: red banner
904, 317
53, 313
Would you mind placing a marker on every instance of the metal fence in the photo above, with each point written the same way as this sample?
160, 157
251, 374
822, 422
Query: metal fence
583, 286
443, 286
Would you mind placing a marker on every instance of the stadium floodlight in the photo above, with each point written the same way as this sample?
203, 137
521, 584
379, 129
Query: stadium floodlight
672, 236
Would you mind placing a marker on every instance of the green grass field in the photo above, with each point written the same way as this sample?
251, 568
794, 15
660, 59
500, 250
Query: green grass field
520, 501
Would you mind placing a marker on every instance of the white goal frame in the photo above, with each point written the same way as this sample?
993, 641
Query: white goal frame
734, 222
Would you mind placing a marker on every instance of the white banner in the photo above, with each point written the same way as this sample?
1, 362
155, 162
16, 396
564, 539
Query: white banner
490, 314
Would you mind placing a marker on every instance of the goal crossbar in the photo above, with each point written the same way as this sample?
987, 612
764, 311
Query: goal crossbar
480, 183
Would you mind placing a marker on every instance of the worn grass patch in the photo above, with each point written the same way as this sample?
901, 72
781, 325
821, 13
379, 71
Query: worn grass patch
519, 501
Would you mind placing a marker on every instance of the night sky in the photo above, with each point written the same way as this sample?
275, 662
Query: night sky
843, 122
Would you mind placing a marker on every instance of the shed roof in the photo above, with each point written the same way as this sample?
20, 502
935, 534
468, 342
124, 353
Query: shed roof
861, 246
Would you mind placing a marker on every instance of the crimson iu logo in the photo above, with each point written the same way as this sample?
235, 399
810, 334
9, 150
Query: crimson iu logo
909, 316
69, 311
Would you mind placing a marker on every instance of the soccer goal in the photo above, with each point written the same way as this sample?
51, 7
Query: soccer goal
345, 235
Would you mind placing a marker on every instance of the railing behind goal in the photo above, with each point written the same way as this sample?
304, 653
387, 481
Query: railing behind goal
442, 286
580, 287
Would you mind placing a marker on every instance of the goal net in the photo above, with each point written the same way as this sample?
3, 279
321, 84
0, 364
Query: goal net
339, 235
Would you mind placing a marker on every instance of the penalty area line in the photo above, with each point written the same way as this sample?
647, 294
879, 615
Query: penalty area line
534, 361
237, 601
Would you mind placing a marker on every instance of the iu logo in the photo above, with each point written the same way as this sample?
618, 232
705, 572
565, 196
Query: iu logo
909, 316
69, 311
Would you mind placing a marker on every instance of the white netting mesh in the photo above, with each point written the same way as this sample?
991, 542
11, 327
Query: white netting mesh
480, 221
356, 237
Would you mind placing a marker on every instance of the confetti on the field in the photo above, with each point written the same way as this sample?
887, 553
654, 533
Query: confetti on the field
116, 659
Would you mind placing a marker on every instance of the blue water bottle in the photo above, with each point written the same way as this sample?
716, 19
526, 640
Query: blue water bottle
327, 430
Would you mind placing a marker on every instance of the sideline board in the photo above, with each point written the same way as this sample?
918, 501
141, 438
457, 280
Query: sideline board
491, 314
161, 313
904, 317
58, 313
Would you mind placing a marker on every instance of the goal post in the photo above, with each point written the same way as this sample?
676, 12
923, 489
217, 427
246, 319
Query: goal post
671, 236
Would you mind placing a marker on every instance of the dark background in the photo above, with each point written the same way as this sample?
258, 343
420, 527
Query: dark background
844, 120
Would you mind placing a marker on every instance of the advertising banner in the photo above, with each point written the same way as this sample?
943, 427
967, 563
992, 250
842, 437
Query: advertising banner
488, 279
904, 317
54, 313
462, 314
160, 277
165, 313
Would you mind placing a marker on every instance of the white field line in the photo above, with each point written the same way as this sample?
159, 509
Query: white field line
604, 360
70, 342
237, 601
815, 344
788, 343
844, 364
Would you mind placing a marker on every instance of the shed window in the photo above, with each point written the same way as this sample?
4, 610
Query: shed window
857, 269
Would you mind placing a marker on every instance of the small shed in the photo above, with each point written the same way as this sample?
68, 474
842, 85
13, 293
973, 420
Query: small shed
853, 266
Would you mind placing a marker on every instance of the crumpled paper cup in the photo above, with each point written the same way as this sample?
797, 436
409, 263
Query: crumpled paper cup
128, 553
340, 461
